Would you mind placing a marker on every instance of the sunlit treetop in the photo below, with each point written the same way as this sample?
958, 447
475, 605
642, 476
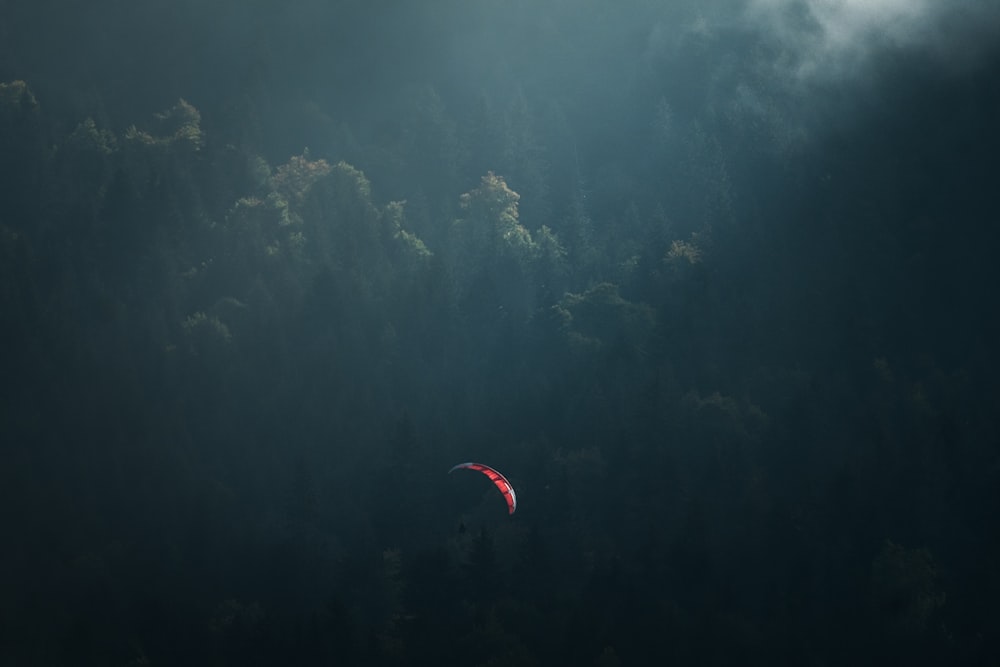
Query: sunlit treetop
16, 98
492, 198
178, 126
394, 216
89, 137
294, 179
601, 316
495, 204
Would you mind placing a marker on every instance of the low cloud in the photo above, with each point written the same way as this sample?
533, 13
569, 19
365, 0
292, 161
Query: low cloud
831, 39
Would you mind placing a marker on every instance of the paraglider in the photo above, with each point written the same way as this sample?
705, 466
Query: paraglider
499, 480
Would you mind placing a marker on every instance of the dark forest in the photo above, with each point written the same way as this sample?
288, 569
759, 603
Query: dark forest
712, 283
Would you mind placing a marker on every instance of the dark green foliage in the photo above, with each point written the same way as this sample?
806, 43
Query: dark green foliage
731, 338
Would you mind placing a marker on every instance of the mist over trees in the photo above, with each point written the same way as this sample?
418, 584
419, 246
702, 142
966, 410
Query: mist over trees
717, 298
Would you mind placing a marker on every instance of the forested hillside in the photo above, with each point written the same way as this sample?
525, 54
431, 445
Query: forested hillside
722, 310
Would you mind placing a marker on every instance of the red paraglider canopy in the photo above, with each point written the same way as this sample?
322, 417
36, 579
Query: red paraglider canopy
499, 480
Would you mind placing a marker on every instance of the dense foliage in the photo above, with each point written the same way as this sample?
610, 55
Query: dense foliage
731, 336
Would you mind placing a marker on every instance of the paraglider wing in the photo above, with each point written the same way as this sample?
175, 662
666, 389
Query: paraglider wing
499, 480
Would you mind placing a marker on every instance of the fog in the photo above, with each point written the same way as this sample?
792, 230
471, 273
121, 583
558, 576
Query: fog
828, 40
